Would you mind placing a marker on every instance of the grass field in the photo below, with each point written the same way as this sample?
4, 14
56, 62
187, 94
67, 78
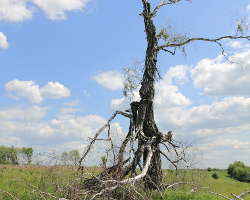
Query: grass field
31, 182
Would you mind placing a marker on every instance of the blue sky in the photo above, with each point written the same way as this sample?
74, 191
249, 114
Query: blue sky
61, 76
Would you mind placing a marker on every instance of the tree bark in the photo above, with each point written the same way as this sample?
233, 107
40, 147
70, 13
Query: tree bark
154, 175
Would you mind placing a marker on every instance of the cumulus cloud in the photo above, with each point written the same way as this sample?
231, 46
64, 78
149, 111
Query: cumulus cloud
112, 80
23, 89
231, 112
176, 74
57, 133
19, 10
28, 90
235, 144
15, 10
54, 91
218, 77
3, 41
166, 94
219, 153
237, 44
24, 113
56, 9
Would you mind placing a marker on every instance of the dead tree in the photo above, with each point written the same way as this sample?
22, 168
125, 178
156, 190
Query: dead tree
143, 128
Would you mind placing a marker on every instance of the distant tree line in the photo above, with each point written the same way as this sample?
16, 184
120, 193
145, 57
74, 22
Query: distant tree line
239, 171
13, 155
214, 169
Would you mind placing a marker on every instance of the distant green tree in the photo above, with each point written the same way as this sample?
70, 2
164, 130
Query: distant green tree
65, 156
13, 155
4, 155
209, 169
27, 153
74, 155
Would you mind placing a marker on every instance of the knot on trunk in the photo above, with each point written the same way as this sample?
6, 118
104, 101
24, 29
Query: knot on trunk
165, 137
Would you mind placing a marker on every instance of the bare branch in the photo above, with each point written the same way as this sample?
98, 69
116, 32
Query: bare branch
173, 162
242, 194
9, 194
157, 8
202, 39
162, 4
104, 190
97, 134
180, 183
219, 195
236, 197
173, 53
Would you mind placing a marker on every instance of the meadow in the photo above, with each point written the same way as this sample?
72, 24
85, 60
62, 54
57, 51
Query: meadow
51, 182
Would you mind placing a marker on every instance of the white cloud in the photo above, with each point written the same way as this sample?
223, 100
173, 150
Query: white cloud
177, 73
57, 133
205, 120
56, 9
18, 10
28, 90
3, 41
220, 153
70, 110
172, 112
54, 91
73, 103
15, 10
23, 89
237, 44
167, 95
23, 114
112, 80
222, 78
236, 144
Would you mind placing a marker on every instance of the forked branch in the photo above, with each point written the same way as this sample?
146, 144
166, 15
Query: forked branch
163, 2
102, 129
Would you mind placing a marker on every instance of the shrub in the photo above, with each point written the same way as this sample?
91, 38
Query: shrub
215, 175
239, 171
240, 174
230, 170
209, 169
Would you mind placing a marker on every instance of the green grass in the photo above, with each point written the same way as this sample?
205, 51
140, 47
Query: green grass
223, 185
21, 182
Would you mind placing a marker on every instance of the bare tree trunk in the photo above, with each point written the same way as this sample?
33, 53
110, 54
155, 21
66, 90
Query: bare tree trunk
154, 175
